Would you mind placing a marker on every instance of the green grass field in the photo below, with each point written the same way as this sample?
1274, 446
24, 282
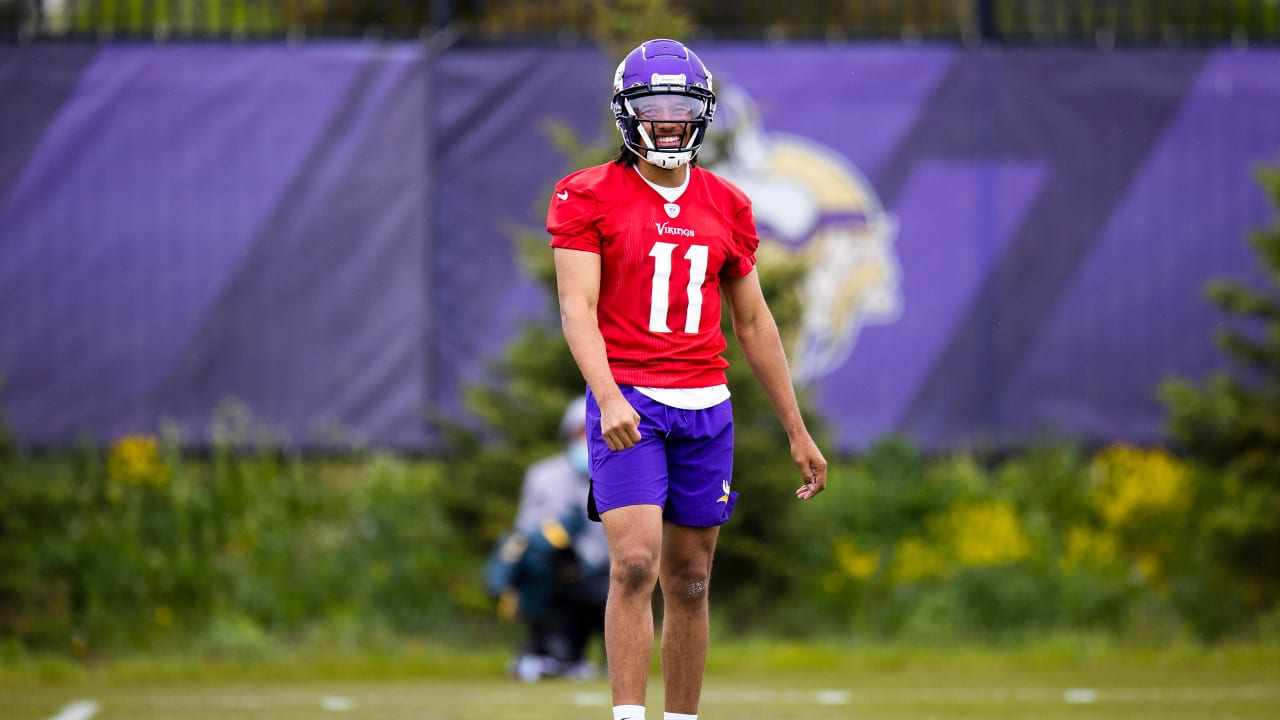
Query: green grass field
748, 683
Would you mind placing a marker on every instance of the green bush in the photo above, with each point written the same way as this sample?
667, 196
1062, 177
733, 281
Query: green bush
138, 546
956, 547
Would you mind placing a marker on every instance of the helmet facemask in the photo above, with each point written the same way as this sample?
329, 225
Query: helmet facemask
664, 129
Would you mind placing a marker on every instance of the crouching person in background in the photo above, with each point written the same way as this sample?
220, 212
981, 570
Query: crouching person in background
552, 569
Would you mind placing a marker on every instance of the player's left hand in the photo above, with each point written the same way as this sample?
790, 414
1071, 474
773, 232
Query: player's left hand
813, 467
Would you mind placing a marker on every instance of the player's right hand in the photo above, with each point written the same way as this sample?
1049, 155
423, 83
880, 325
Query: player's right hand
813, 467
619, 424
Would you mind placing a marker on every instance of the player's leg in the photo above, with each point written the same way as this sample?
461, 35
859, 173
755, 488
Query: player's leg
699, 500
630, 490
635, 538
685, 576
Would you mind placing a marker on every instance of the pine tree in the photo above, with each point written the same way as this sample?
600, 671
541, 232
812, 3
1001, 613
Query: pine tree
1231, 424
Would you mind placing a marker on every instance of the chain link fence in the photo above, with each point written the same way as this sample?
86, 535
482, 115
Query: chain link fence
1101, 22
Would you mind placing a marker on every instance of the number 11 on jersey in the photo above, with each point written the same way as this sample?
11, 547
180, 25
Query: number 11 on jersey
658, 305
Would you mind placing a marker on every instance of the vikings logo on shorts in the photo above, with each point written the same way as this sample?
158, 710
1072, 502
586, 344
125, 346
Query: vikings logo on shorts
811, 203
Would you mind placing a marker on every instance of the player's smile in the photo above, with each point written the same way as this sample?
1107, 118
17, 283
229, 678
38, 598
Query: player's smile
668, 136
670, 140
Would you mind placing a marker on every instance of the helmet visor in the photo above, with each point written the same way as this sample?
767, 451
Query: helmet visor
668, 107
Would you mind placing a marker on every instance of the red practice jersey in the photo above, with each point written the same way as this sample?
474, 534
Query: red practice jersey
660, 268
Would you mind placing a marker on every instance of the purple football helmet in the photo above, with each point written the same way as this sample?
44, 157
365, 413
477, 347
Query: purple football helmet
662, 100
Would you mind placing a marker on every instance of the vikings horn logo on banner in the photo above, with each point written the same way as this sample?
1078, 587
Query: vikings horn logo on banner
812, 203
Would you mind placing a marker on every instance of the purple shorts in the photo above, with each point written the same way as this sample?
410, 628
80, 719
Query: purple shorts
683, 462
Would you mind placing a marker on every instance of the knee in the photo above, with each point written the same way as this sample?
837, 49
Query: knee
687, 585
634, 572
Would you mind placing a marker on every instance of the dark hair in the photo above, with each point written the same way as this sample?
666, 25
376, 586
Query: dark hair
624, 156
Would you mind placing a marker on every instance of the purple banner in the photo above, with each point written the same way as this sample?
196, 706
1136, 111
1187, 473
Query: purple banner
1001, 246
198, 225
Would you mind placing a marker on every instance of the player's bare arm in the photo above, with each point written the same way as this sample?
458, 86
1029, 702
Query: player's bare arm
578, 286
757, 333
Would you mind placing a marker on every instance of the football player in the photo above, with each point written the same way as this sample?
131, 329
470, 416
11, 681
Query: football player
644, 246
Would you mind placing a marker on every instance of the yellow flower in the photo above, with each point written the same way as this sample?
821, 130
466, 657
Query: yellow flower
135, 460
1146, 567
1130, 484
914, 559
983, 533
1087, 549
855, 564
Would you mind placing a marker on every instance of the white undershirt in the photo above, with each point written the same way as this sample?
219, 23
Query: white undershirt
670, 194
682, 398
687, 398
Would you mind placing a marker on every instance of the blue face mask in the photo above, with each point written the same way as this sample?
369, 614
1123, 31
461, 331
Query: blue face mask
579, 457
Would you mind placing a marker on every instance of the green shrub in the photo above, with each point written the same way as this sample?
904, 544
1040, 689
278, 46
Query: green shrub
139, 547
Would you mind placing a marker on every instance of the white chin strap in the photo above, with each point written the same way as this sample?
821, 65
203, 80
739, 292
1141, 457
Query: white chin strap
666, 160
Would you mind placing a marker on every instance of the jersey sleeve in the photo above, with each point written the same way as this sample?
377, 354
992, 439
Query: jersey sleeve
745, 241
571, 219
